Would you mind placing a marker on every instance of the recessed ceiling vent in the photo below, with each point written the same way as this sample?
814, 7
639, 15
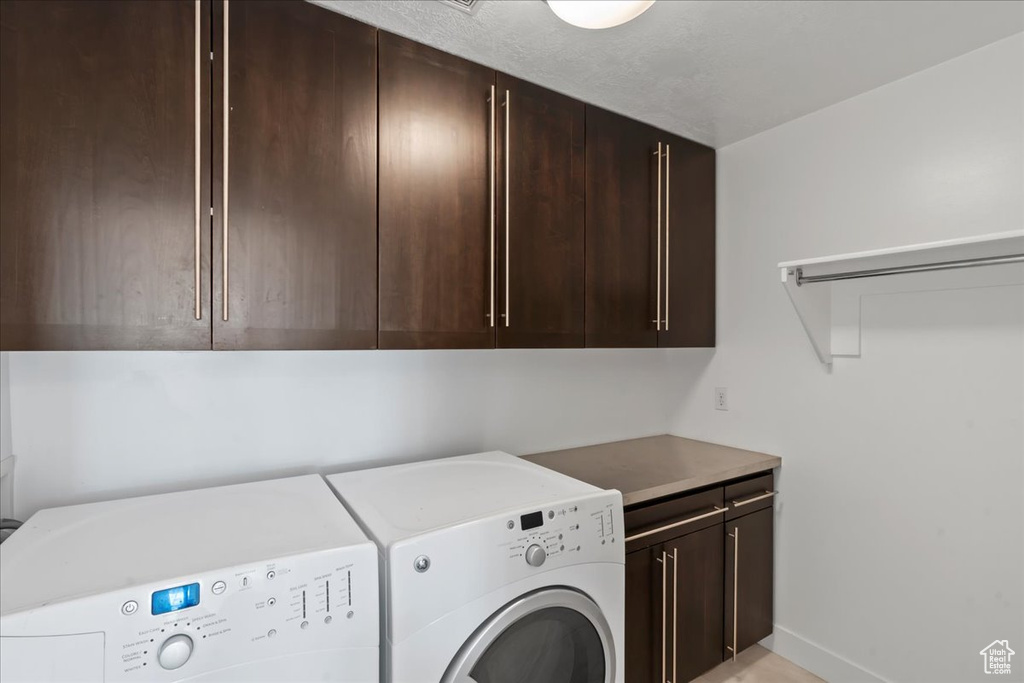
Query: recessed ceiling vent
467, 6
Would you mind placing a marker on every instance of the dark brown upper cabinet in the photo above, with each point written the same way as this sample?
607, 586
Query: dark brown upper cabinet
273, 175
104, 175
436, 207
540, 217
688, 269
650, 236
296, 252
621, 231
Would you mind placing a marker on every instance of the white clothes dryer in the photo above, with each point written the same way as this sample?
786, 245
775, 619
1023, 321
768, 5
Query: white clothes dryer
494, 570
269, 581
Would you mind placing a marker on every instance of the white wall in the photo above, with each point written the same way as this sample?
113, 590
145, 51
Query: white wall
900, 526
91, 425
6, 462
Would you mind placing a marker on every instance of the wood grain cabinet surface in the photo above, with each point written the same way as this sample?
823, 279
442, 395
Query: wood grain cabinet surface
274, 175
688, 318
650, 236
683, 570
301, 173
748, 577
540, 209
99, 168
621, 226
435, 212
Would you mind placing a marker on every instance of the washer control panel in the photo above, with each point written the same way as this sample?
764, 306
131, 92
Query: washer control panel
198, 624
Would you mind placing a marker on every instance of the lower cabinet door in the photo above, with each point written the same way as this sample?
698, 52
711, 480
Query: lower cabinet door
748, 580
642, 592
695, 565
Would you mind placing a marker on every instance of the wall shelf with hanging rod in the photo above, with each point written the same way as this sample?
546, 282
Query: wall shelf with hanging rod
831, 314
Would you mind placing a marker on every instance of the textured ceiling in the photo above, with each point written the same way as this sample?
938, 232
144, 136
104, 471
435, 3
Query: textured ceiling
716, 72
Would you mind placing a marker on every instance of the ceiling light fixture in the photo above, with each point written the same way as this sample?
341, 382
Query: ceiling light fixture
598, 13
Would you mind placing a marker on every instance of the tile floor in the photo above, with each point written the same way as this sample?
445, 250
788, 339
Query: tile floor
758, 665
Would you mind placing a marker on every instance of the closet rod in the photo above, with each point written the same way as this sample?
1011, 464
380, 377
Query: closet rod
897, 270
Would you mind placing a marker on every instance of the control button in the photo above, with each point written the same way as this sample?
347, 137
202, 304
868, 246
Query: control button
129, 608
244, 582
271, 601
551, 514
535, 555
218, 587
271, 574
271, 633
175, 651
304, 624
421, 563
328, 619
511, 524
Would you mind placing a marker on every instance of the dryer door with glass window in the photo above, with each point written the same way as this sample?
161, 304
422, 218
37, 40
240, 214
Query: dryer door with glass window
554, 635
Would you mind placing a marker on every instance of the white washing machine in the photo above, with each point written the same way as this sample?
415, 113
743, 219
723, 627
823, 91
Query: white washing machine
270, 581
495, 570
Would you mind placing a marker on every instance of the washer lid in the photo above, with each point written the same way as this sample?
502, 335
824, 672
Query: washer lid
70, 552
397, 502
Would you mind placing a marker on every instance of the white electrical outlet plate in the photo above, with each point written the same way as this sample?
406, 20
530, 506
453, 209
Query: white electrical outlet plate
721, 398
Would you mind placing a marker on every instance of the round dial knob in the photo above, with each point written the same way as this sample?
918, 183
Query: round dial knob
175, 651
535, 555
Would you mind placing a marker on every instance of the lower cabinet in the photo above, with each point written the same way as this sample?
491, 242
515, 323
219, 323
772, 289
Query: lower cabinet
748, 580
698, 579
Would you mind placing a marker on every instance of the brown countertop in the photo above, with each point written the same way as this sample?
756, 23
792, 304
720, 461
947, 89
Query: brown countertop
656, 466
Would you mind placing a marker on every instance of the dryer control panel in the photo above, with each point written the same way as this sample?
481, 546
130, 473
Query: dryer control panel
456, 565
194, 625
575, 531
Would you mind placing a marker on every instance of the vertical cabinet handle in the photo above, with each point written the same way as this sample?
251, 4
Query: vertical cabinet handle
490, 158
664, 612
675, 607
508, 156
657, 303
224, 181
198, 150
668, 251
735, 536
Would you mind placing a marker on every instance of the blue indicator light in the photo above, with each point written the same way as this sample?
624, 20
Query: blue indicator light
174, 599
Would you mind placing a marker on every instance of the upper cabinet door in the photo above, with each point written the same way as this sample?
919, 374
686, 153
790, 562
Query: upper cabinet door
688, 317
540, 217
296, 250
104, 230
623, 227
437, 200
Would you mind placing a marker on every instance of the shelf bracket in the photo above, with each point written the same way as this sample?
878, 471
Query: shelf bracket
813, 306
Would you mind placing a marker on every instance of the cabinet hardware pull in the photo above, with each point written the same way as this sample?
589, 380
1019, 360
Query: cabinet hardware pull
657, 304
224, 209
735, 535
675, 607
757, 497
490, 157
668, 252
664, 611
673, 525
508, 155
199, 168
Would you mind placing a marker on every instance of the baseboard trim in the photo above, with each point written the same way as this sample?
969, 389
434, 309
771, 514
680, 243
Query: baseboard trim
816, 659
